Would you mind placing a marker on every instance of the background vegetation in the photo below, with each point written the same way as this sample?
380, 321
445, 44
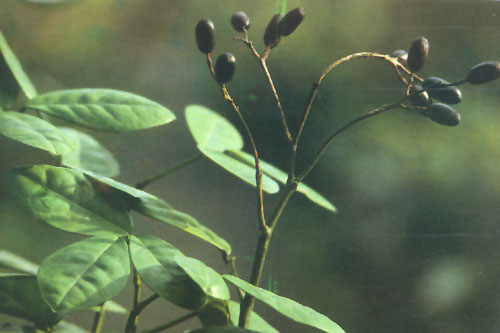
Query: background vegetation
414, 247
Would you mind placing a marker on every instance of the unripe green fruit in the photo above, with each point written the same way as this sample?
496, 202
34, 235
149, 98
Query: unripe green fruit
419, 97
205, 35
240, 21
272, 34
484, 72
292, 20
224, 68
441, 90
443, 114
417, 55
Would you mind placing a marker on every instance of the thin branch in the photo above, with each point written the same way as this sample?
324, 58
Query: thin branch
171, 323
136, 311
133, 317
180, 165
99, 319
231, 260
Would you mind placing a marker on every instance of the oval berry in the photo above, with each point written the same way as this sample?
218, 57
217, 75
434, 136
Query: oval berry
417, 55
419, 97
292, 20
484, 72
441, 90
272, 34
205, 35
443, 114
240, 21
224, 68
401, 56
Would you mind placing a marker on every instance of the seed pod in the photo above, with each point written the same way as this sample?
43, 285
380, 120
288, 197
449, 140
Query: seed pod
292, 20
441, 90
205, 35
401, 56
419, 97
484, 72
240, 21
417, 55
224, 68
272, 34
443, 114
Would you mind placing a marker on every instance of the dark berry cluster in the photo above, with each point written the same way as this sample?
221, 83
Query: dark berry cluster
225, 65
421, 96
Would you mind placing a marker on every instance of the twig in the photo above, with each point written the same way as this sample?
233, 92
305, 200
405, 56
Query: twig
99, 319
172, 323
136, 310
133, 317
231, 260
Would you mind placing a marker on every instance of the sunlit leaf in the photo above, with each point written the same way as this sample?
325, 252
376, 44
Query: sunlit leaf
158, 209
212, 131
153, 259
16, 68
293, 310
241, 170
67, 327
256, 321
111, 306
67, 200
35, 132
84, 274
103, 109
281, 176
89, 155
18, 263
20, 297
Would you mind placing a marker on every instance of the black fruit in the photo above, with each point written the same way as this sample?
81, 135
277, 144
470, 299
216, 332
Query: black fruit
441, 90
292, 20
484, 72
224, 68
443, 114
272, 34
240, 21
401, 56
417, 55
205, 35
419, 97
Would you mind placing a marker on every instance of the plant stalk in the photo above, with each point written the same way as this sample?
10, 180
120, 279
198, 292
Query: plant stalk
136, 310
172, 323
133, 317
99, 319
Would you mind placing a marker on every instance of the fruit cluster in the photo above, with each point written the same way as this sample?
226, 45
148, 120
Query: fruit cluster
448, 93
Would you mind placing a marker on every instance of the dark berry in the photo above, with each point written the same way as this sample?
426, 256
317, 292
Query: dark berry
292, 20
205, 35
401, 56
272, 34
484, 72
417, 55
441, 90
443, 114
224, 68
419, 97
240, 21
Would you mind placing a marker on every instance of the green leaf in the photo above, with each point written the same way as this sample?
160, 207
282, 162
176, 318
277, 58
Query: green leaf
103, 109
293, 310
111, 306
89, 155
256, 321
35, 132
223, 329
158, 209
18, 263
16, 69
20, 297
84, 274
153, 258
240, 169
215, 313
281, 176
65, 326
67, 200
212, 131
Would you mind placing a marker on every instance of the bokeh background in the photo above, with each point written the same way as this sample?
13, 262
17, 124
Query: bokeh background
415, 244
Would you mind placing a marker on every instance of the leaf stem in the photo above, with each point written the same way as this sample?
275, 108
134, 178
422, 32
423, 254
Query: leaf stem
190, 160
99, 319
172, 323
133, 317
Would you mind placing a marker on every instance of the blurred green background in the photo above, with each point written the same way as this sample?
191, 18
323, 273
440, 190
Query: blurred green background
415, 245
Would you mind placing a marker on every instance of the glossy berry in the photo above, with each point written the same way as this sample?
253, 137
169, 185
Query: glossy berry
224, 68
272, 35
419, 97
484, 72
205, 35
401, 56
417, 55
292, 20
441, 90
443, 114
240, 21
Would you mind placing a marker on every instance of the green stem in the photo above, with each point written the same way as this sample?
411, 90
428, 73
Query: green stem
170, 170
172, 323
133, 317
99, 319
